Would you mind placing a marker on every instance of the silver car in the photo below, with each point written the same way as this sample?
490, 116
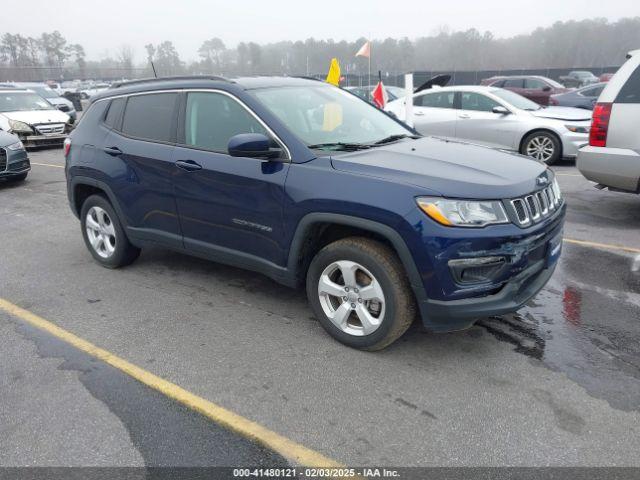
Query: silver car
498, 118
612, 158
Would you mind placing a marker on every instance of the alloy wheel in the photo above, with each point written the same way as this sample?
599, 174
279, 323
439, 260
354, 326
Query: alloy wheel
352, 298
100, 232
541, 148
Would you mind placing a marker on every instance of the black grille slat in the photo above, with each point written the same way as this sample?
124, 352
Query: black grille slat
3, 159
534, 208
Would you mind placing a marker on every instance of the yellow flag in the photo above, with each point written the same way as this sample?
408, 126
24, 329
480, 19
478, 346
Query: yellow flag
333, 77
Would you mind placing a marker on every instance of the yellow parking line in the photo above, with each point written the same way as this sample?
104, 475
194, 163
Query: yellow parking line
607, 246
294, 452
47, 165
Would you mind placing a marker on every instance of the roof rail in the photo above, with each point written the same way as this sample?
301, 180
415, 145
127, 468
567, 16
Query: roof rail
126, 83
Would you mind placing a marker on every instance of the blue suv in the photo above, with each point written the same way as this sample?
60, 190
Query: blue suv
310, 185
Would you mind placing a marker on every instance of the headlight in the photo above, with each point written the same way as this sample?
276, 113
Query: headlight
577, 129
556, 189
463, 213
16, 146
17, 126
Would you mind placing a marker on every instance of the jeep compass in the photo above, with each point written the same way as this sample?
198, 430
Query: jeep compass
311, 186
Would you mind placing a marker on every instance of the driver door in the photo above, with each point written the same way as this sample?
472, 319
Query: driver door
477, 123
226, 205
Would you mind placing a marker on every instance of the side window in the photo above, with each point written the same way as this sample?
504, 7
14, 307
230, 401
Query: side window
477, 102
115, 111
499, 83
211, 119
630, 92
150, 116
534, 84
514, 83
435, 100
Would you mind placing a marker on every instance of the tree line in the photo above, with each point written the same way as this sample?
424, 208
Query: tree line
587, 43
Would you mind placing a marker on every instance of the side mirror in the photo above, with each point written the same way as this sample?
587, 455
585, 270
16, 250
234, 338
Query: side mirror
500, 110
546, 88
252, 145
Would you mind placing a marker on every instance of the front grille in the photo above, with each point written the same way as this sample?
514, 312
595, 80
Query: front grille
536, 207
50, 129
3, 159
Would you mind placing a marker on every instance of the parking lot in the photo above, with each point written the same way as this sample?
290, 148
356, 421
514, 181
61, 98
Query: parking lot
556, 384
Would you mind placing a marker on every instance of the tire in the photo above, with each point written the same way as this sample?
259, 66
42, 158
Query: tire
374, 271
19, 178
107, 242
543, 146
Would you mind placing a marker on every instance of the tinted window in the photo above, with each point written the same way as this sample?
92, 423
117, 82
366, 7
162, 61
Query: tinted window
435, 100
213, 118
534, 84
114, 112
499, 83
630, 93
150, 116
477, 102
514, 83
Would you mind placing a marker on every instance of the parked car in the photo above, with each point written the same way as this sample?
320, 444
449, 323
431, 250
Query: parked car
52, 97
584, 97
535, 88
579, 78
365, 92
605, 77
33, 119
612, 158
14, 161
305, 183
498, 118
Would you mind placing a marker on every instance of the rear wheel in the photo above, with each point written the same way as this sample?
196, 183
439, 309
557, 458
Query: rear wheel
103, 234
543, 146
359, 292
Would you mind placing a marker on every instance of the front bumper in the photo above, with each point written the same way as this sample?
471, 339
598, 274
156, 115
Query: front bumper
572, 142
36, 141
617, 168
17, 163
530, 258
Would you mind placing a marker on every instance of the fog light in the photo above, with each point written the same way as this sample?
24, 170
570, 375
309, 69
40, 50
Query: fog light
476, 270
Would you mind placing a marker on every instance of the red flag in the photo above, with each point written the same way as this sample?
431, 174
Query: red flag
380, 95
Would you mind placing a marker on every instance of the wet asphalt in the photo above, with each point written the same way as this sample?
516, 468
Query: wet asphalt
557, 383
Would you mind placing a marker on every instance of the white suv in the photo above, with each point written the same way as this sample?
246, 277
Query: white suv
612, 158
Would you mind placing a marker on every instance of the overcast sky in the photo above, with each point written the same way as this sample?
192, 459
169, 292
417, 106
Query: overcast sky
102, 26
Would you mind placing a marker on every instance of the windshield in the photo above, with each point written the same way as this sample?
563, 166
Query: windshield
518, 101
395, 92
21, 101
553, 83
324, 115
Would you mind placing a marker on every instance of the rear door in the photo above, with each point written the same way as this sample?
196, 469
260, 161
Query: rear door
477, 123
515, 85
434, 113
228, 205
140, 148
537, 90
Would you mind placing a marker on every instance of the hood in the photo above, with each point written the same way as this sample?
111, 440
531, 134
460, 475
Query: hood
7, 139
451, 168
32, 117
563, 113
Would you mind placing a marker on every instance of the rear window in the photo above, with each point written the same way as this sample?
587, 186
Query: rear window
150, 117
114, 113
630, 92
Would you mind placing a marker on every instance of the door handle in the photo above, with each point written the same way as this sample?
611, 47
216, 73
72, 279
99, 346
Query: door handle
464, 115
418, 113
188, 165
113, 151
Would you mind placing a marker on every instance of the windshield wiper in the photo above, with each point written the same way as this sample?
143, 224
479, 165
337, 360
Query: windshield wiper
340, 146
393, 138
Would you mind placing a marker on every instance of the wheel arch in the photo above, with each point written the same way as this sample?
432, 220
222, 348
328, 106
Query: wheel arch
81, 188
318, 229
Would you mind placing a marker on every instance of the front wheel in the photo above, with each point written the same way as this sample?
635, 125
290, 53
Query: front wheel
543, 146
359, 292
